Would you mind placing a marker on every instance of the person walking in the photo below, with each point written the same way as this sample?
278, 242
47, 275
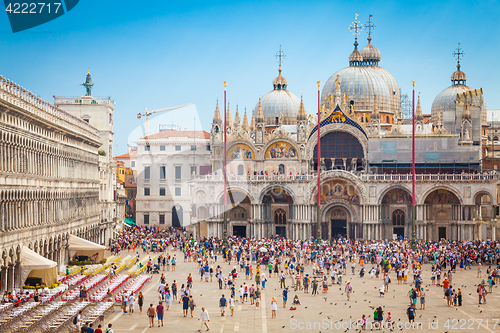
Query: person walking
192, 304
285, 296
151, 315
314, 286
411, 313
274, 307
263, 280
257, 298
282, 280
131, 300
160, 310
231, 305
348, 290
205, 319
140, 301
222, 305
185, 304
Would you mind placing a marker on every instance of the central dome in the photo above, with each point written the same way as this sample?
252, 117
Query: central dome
363, 80
277, 101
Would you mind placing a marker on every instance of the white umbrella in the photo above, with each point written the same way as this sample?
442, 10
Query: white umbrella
263, 249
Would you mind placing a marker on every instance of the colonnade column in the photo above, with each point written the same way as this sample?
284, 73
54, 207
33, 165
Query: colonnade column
10, 277
3, 277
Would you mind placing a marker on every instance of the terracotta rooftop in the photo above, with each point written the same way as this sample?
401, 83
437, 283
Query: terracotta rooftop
178, 134
127, 155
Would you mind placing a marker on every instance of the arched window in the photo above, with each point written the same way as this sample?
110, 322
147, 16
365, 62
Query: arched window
241, 170
281, 169
238, 213
398, 218
279, 217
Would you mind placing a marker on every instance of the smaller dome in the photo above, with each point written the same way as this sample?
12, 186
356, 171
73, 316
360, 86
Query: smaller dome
280, 82
458, 77
371, 55
355, 59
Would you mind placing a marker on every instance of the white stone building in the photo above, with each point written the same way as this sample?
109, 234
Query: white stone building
98, 112
165, 163
49, 180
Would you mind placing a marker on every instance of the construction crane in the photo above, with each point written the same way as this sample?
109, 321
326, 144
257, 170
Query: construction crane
147, 113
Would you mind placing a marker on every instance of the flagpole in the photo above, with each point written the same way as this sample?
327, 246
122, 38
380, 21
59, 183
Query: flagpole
225, 171
318, 217
413, 208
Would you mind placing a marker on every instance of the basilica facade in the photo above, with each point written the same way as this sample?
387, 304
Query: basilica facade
366, 158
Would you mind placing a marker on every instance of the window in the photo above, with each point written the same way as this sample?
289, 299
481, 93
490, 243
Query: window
162, 191
162, 218
147, 191
146, 218
147, 172
193, 147
178, 172
177, 191
147, 148
208, 147
162, 148
241, 169
193, 170
132, 164
388, 120
162, 172
178, 148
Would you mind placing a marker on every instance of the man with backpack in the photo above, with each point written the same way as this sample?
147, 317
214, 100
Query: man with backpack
78, 320
109, 329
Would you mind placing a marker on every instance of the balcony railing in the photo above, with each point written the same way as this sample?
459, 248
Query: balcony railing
422, 178
465, 177
257, 178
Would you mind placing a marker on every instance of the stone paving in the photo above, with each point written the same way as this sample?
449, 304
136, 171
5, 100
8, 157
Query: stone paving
324, 312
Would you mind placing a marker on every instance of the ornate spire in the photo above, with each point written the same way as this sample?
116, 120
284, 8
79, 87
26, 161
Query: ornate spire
237, 119
458, 77
375, 114
280, 82
356, 59
217, 118
338, 92
302, 111
418, 114
370, 26
260, 114
252, 122
466, 113
371, 55
229, 120
245, 121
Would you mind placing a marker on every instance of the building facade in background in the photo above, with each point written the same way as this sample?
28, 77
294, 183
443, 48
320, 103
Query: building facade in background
165, 163
366, 160
98, 112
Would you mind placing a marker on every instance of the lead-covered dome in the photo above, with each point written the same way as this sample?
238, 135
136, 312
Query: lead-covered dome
363, 80
279, 100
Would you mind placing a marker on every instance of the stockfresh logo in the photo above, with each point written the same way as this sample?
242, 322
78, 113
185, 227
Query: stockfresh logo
26, 15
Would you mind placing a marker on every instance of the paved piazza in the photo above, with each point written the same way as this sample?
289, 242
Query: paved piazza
327, 311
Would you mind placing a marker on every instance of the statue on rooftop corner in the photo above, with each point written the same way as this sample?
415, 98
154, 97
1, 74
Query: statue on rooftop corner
88, 85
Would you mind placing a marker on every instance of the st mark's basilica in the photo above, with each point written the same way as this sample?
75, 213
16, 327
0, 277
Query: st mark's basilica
366, 160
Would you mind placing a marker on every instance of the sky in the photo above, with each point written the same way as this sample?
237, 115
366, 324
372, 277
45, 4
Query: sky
155, 54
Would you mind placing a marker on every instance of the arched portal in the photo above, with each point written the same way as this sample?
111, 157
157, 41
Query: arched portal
277, 208
177, 216
239, 206
442, 211
338, 220
280, 222
340, 150
398, 223
396, 203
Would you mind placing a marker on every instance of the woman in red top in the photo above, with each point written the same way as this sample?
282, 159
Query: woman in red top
190, 281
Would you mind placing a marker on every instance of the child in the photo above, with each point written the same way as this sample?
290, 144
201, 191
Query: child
389, 319
364, 323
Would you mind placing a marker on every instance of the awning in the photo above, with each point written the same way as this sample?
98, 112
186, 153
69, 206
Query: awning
83, 247
34, 265
130, 221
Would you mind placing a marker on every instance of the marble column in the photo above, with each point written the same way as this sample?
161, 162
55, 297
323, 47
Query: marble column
10, 278
3, 277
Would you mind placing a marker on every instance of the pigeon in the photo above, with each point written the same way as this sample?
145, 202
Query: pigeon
292, 316
283, 326
320, 312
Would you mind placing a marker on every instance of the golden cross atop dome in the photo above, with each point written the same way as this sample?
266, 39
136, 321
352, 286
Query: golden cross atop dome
369, 26
280, 56
458, 53
356, 26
